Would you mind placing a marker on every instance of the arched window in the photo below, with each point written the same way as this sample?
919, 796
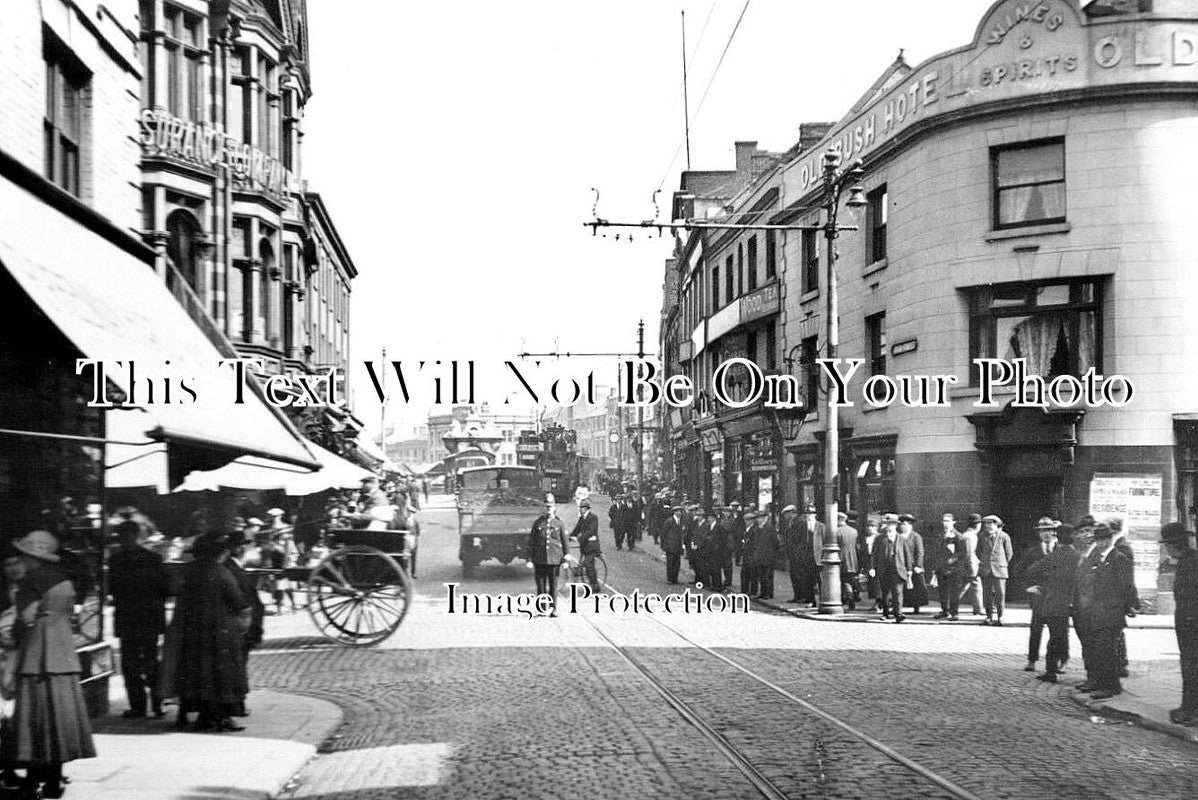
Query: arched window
266, 254
182, 247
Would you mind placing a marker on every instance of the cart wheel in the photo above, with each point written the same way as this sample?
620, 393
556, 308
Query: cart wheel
468, 569
358, 595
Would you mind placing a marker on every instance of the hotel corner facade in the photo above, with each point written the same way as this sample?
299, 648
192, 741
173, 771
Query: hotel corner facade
1030, 195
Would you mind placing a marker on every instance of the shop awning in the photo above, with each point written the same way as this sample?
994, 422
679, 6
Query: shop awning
251, 472
111, 305
131, 466
372, 451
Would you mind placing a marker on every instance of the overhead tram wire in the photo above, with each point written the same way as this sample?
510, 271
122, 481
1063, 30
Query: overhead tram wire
710, 81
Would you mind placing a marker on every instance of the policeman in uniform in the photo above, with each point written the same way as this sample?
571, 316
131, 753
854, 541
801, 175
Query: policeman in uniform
547, 549
586, 531
1180, 545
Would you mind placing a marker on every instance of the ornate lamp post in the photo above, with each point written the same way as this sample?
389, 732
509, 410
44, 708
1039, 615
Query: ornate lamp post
835, 181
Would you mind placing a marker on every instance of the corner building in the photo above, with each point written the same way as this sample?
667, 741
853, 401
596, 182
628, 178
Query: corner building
1030, 195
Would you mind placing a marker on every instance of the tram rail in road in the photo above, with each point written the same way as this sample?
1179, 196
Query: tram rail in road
765, 787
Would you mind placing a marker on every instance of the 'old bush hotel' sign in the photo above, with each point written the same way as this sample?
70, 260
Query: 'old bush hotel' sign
209, 146
1022, 48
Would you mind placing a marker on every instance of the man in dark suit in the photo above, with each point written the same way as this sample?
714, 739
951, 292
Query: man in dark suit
140, 586
1046, 529
672, 543
994, 558
891, 564
794, 544
917, 597
1105, 585
1054, 575
616, 516
846, 537
765, 551
1123, 547
1179, 544
586, 531
750, 575
705, 554
737, 529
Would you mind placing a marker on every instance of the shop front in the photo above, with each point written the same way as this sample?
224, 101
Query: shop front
76, 291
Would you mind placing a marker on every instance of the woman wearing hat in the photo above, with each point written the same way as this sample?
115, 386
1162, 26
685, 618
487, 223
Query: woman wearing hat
50, 725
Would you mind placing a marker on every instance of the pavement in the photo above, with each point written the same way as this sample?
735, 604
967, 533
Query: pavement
1146, 700
150, 759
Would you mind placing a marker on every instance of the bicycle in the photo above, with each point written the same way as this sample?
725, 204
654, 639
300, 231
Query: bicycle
572, 571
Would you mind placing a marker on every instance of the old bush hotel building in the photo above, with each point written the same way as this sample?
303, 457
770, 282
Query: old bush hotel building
1030, 195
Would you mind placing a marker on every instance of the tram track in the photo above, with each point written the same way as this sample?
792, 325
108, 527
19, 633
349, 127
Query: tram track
736, 754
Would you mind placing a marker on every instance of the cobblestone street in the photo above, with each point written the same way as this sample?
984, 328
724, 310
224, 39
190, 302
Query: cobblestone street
497, 706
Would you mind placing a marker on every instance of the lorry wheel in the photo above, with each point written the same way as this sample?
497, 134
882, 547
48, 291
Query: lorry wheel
468, 569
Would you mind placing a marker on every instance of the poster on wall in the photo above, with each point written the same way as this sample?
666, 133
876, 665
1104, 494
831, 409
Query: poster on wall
1136, 498
765, 491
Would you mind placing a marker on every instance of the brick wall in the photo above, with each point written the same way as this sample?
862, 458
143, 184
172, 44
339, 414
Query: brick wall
109, 154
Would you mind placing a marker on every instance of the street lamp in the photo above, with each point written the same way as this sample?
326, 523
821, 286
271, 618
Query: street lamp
835, 180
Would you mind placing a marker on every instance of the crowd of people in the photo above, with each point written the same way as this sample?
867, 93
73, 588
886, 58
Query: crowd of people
1081, 573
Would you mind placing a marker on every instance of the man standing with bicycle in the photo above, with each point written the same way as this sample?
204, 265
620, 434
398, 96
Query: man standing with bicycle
547, 549
586, 531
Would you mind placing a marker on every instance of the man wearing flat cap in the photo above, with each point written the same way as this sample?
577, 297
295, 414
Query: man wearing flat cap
994, 559
1105, 583
808, 550
971, 534
798, 554
846, 537
891, 561
1179, 544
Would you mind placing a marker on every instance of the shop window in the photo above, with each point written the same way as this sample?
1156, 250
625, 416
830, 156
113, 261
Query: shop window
266, 253
740, 269
771, 255
808, 356
752, 263
1029, 183
1057, 327
875, 341
876, 216
771, 347
810, 255
183, 232
183, 44
66, 87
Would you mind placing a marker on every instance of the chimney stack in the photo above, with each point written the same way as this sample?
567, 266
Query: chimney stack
810, 134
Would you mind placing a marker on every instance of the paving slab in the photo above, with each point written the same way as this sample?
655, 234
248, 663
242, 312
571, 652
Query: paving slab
151, 758
1145, 701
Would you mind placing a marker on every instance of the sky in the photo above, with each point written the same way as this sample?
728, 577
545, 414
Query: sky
456, 145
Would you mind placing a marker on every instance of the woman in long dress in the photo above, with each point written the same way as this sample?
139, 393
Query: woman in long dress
207, 672
50, 724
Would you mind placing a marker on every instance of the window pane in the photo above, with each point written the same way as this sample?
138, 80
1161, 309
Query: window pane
1031, 165
1031, 203
1057, 294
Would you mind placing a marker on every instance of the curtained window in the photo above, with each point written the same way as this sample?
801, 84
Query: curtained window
1029, 183
1055, 326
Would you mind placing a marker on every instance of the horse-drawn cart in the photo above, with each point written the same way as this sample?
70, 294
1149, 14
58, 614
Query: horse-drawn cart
359, 593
